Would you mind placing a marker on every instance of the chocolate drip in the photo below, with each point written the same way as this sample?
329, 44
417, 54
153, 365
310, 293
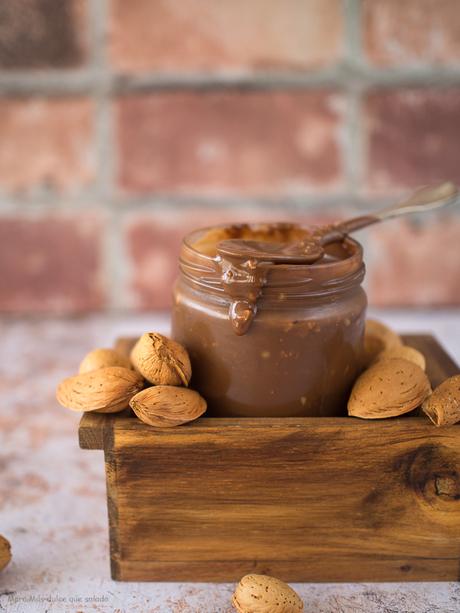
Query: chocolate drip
242, 280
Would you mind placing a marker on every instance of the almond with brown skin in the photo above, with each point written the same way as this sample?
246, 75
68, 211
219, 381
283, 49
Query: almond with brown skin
387, 389
264, 594
443, 406
107, 390
5, 552
406, 353
166, 406
101, 358
377, 338
161, 360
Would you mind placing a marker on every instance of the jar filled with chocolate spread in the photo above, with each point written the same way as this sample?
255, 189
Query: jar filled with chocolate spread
268, 338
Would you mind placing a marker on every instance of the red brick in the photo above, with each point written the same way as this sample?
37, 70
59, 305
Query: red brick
42, 33
201, 35
153, 241
412, 32
46, 142
251, 142
413, 137
50, 264
413, 265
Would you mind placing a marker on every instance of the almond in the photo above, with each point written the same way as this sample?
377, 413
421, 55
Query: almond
161, 360
5, 552
100, 358
377, 338
107, 390
443, 406
388, 388
165, 406
406, 353
263, 594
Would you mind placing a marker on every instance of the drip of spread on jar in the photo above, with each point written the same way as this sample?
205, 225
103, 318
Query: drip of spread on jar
243, 280
244, 256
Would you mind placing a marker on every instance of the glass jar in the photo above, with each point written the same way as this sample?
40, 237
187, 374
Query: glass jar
303, 349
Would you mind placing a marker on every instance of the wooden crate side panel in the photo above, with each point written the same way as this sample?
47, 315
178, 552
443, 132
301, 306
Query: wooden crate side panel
317, 491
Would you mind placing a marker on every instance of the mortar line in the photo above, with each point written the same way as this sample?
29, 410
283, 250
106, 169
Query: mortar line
355, 126
104, 150
347, 74
123, 297
89, 201
114, 221
156, 202
351, 56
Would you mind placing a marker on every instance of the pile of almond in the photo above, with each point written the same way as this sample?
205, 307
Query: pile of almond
153, 381
395, 382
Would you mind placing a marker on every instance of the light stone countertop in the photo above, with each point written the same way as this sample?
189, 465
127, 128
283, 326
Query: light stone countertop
52, 494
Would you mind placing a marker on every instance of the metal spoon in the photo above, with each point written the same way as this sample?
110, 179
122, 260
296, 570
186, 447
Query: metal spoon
311, 248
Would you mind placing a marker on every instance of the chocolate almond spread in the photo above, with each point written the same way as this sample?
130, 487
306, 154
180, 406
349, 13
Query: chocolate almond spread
267, 334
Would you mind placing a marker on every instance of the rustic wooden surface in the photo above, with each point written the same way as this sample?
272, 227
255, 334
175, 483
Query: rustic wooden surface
310, 499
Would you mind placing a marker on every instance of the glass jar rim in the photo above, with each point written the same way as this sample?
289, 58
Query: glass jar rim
293, 280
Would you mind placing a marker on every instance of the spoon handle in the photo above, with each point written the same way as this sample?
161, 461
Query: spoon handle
424, 199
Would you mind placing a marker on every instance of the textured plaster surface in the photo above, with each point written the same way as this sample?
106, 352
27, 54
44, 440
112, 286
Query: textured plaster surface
52, 494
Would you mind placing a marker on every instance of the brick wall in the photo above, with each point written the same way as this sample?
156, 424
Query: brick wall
126, 123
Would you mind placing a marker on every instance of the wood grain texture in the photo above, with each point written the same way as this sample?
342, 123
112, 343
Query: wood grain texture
91, 430
305, 499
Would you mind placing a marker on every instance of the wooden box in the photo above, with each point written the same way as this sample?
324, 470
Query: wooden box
304, 499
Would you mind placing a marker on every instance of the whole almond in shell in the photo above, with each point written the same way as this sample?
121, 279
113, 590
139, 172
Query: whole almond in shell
101, 358
166, 406
5, 552
406, 353
161, 360
377, 338
107, 390
388, 388
443, 406
264, 594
